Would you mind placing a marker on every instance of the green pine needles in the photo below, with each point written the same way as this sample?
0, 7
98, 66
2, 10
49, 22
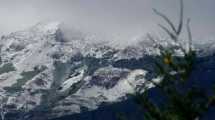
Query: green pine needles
181, 102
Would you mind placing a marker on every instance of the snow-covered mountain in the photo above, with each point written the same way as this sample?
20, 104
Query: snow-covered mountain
43, 73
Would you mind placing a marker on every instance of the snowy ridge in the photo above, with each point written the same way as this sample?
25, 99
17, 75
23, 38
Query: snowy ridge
40, 65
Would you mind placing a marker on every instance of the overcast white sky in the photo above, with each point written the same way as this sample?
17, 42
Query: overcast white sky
122, 18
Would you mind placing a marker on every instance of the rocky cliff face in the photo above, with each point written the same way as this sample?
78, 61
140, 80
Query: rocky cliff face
44, 75
42, 72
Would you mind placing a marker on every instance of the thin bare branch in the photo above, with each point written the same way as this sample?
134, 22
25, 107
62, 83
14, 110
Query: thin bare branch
166, 19
181, 17
172, 35
189, 34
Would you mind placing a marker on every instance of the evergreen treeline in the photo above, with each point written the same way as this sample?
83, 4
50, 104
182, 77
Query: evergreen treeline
181, 100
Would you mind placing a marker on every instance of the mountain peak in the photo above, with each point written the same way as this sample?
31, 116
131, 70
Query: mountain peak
50, 27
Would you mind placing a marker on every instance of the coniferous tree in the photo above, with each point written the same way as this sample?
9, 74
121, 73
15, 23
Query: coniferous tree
182, 102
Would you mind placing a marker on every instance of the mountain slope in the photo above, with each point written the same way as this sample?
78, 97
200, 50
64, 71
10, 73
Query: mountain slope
45, 75
42, 70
